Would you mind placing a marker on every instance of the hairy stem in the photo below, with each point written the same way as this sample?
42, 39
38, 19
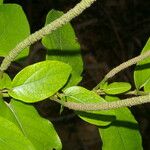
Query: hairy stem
123, 66
135, 92
105, 106
77, 10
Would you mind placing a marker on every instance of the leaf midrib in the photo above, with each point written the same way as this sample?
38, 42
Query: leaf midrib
17, 119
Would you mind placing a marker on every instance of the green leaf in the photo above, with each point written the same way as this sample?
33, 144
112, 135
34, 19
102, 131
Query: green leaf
14, 28
117, 88
35, 128
81, 95
39, 81
1, 1
103, 85
11, 138
62, 45
142, 71
5, 81
147, 87
6, 113
123, 133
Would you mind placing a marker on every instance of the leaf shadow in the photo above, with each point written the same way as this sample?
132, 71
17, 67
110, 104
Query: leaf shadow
142, 67
111, 118
101, 117
58, 52
124, 124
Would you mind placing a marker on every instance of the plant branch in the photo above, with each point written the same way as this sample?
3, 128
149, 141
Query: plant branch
123, 66
106, 105
77, 10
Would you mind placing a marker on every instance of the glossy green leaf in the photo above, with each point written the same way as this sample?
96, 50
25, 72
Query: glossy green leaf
62, 45
11, 138
40, 81
142, 71
5, 81
103, 85
117, 88
14, 28
6, 113
147, 87
123, 133
35, 128
81, 95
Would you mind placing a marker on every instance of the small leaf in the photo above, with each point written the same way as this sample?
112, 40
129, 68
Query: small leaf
123, 133
5, 81
117, 88
35, 128
142, 71
62, 45
11, 138
103, 85
84, 96
39, 81
14, 28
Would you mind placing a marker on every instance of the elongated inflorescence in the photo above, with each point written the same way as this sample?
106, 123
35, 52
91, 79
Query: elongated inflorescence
77, 10
74, 12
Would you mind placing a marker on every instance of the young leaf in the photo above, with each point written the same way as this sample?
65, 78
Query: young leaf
123, 133
62, 45
35, 128
11, 138
103, 85
81, 95
5, 81
142, 71
117, 88
14, 28
39, 81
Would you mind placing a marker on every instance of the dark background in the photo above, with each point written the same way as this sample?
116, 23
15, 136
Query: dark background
110, 32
